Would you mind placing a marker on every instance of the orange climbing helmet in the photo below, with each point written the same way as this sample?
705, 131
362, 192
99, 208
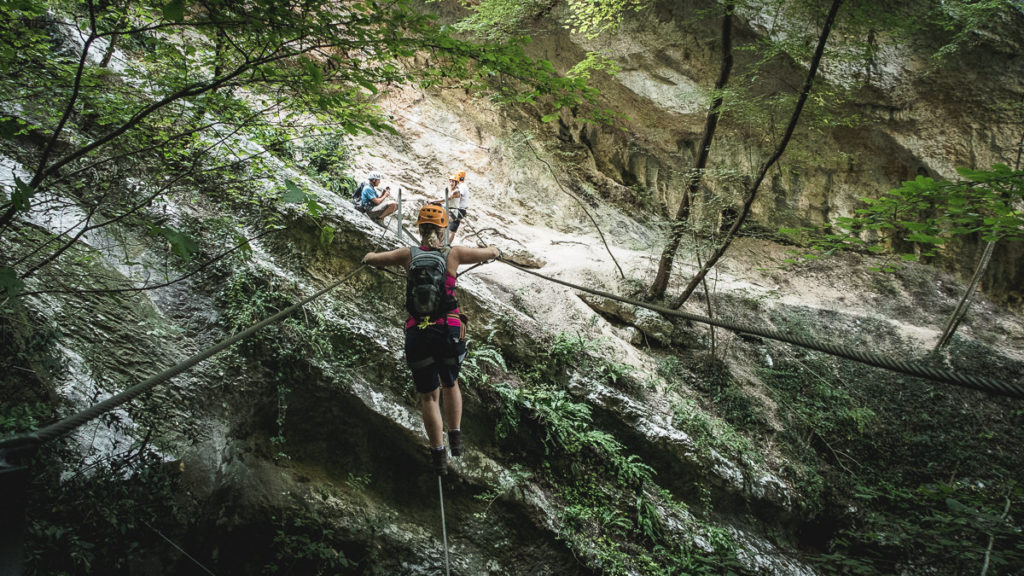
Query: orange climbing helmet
458, 176
433, 214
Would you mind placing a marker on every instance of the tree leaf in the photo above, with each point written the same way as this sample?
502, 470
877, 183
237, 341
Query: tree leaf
327, 235
10, 282
293, 194
181, 244
316, 77
313, 207
174, 11
924, 238
10, 126
22, 195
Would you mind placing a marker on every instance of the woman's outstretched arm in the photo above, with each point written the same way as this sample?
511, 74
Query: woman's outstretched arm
467, 255
396, 257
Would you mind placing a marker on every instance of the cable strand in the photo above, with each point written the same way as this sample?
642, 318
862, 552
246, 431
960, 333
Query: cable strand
66, 425
913, 369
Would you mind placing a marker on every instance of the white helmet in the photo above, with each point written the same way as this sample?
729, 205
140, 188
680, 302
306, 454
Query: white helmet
374, 176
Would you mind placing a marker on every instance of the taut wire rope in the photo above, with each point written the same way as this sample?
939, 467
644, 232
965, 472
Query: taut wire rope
582, 205
179, 548
31, 440
982, 383
444, 530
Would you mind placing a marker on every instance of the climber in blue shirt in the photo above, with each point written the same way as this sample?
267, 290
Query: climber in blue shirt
377, 205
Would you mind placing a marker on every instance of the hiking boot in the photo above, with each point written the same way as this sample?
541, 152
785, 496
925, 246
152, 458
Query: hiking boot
439, 460
455, 442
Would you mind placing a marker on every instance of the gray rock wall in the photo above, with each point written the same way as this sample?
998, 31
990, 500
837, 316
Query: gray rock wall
905, 113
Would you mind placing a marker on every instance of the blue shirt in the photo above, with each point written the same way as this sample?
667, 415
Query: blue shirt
369, 193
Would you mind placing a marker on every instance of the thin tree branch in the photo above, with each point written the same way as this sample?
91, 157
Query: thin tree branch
965, 301
188, 275
660, 284
72, 100
188, 91
992, 540
582, 205
986, 257
160, 191
779, 150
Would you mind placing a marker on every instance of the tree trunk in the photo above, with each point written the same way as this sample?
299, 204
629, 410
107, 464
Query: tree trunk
752, 191
961, 308
660, 284
965, 302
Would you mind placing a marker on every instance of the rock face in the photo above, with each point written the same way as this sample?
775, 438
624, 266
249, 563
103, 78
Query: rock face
911, 113
303, 448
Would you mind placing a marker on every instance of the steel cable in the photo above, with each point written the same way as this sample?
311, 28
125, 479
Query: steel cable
32, 440
943, 375
444, 529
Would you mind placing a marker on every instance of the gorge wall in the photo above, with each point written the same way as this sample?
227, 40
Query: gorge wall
898, 114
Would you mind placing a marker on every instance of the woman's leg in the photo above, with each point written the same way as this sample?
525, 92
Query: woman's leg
453, 406
432, 417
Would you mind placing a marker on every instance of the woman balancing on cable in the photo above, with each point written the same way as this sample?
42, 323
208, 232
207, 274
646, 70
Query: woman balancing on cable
435, 337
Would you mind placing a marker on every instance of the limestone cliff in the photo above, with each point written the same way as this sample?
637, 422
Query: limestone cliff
602, 438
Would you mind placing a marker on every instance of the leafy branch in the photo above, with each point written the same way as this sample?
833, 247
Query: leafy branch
924, 215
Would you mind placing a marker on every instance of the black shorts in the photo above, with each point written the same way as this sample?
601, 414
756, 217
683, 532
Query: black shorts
457, 215
434, 355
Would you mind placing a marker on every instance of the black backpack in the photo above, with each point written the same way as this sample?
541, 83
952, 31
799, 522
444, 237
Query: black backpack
357, 196
425, 294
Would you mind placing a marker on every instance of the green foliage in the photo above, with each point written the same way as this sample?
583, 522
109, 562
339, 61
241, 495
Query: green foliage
928, 212
328, 161
823, 409
574, 350
306, 543
508, 419
10, 283
919, 469
952, 522
819, 416
16, 418
924, 215
593, 17
568, 348
504, 19
498, 20
601, 530
566, 423
481, 357
567, 429
28, 352
969, 21
642, 196
591, 467
181, 244
251, 296
112, 94
709, 432
97, 517
293, 194
593, 62
22, 194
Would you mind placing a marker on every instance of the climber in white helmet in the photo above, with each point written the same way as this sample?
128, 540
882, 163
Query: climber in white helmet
377, 205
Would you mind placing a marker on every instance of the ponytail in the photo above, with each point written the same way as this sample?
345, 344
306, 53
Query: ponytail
433, 236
